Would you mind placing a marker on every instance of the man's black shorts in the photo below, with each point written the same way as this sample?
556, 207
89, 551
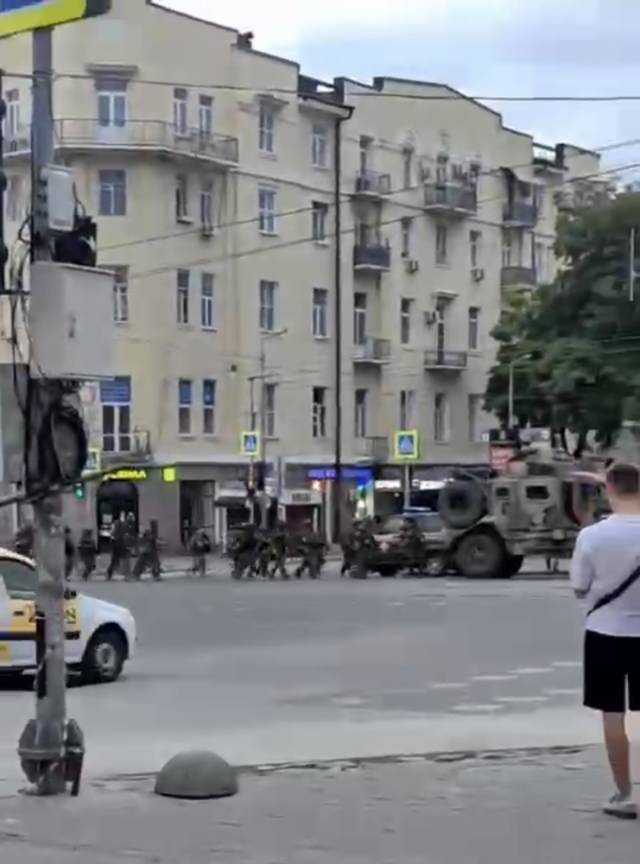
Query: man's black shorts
611, 669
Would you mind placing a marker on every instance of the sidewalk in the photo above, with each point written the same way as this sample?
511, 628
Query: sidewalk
510, 808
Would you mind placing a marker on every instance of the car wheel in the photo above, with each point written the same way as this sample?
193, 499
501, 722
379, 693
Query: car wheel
104, 657
388, 572
480, 555
512, 566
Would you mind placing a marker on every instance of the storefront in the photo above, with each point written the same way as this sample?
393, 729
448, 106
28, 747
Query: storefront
301, 508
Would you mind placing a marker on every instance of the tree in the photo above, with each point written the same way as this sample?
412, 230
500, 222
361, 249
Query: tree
578, 339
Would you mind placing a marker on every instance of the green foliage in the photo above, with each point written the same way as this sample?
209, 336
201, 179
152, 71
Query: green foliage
578, 339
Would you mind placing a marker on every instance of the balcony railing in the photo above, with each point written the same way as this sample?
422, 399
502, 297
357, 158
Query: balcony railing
455, 199
133, 135
520, 214
372, 256
372, 184
518, 277
372, 351
374, 449
127, 449
445, 360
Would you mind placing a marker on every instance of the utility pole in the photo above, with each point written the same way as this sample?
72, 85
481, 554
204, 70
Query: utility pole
633, 274
337, 482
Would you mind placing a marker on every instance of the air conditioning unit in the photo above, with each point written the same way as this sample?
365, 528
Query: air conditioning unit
477, 274
430, 318
412, 265
207, 230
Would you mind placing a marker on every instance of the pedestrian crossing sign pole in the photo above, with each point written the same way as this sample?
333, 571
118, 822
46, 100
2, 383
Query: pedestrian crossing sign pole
250, 444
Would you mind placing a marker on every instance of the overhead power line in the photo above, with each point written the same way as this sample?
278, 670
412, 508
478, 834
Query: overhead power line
353, 94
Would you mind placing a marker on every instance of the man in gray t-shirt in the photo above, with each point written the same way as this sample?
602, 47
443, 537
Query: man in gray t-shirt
607, 554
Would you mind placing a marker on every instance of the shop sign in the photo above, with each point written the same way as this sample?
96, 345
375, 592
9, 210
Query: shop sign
360, 475
388, 486
132, 474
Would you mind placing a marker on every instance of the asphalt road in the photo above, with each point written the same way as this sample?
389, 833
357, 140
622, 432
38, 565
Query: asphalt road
302, 671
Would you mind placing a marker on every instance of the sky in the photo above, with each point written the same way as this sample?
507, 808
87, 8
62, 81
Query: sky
483, 47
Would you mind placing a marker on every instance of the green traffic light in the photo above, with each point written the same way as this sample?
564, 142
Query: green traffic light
79, 491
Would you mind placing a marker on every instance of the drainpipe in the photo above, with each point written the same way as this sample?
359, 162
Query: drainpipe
337, 483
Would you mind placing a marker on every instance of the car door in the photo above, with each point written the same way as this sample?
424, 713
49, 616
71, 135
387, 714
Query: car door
19, 582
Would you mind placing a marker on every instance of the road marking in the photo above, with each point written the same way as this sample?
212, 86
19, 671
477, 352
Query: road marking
531, 670
567, 691
348, 701
476, 708
522, 700
396, 603
448, 685
567, 664
494, 678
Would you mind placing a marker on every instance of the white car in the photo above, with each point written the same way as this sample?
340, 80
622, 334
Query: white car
99, 636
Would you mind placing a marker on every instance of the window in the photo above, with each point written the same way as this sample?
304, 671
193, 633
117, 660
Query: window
185, 398
320, 323
115, 396
206, 204
406, 227
474, 328
12, 122
475, 247
407, 167
319, 420
120, 294
270, 410
442, 236
267, 211
267, 305
14, 198
475, 411
113, 193
440, 418
112, 102
180, 111
183, 296
365, 152
266, 123
319, 215
507, 248
182, 197
20, 581
407, 409
207, 301
405, 320
360, 419
319, 145
205, 116
209, 407
359, 318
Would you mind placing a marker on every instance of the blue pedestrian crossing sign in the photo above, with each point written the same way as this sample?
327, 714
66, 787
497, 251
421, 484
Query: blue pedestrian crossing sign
406, 445
250, 444
16, 16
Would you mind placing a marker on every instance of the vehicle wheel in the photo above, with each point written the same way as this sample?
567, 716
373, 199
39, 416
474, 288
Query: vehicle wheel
512, 566
388, 572
104, 657
462, 503
480, 555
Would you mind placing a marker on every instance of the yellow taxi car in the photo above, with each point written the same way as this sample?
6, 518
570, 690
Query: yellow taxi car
99, 636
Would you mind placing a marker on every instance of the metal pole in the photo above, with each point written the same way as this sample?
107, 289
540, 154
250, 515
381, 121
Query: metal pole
407, 486
49, 532
632, 265
337, 483
263, 429
511, 420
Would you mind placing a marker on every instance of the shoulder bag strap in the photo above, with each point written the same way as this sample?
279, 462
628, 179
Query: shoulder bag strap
617, 592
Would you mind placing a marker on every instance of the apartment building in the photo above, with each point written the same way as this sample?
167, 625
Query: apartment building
211, 170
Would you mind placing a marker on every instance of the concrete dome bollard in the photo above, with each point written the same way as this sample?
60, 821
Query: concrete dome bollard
197, 775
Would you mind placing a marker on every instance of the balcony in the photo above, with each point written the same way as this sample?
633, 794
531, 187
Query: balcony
376, 352
520, 214
522, 278
445, 361
132, 449
373, 449
372, 257
136, 135
371, 184
450, 199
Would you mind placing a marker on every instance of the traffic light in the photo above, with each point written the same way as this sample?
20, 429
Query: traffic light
80, 491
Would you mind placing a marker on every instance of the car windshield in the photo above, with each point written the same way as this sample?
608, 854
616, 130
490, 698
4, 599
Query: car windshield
19, 579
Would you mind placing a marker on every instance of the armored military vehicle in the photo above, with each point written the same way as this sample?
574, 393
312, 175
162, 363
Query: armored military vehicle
537, 508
